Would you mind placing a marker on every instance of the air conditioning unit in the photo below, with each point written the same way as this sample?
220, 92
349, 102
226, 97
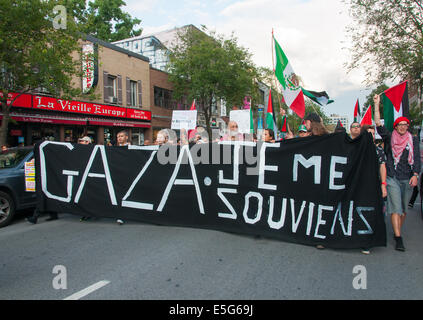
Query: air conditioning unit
112, 99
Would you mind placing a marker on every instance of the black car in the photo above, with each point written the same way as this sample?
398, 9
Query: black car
13, 196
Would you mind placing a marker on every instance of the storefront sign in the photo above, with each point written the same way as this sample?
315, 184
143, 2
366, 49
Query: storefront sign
40, 119
23, 101
48, 103
126, 124
138, 114
89, 76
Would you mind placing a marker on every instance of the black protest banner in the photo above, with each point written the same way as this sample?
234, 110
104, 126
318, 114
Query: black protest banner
315, 190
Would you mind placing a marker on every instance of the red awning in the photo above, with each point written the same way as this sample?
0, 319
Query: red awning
47, 119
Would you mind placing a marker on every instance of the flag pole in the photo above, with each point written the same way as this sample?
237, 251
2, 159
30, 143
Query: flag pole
275, 82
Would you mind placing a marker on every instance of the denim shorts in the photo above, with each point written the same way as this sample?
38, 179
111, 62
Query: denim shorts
399, 194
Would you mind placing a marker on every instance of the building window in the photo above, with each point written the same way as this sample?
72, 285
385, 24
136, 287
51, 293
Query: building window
112, 84
133, 93
163, 98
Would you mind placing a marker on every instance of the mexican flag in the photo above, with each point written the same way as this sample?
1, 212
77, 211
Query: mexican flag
291, 89
320, 98
395, 104
357, 112
270, 115
367, 118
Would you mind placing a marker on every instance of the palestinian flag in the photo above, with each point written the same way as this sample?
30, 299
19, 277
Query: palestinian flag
357, 112
395, 104
320, 98
270, 115
367, 118
291, 89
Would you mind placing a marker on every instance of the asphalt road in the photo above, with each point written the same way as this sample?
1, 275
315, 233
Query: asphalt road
141, 261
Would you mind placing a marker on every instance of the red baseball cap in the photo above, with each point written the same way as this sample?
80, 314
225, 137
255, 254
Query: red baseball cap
400, 119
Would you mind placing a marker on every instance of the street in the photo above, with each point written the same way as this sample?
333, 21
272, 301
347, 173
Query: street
103, 260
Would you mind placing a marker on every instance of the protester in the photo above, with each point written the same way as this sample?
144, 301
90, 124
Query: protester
340, 128
416, 188
122, 138
4, 148
84, 140
382, 167
233, 134
355, 130
268, 135
314, 125
162, 138
402, 167
34, 218
302, 131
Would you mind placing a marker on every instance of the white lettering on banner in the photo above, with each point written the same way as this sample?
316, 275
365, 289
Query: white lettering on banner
226, 160
276, 224
69, 174
336, 174
320, 221
134, 204
233, 214
259, 197
339, 215
263, 167
173, 180
360, 214
310, 217
106, 175
315, 161
295, 223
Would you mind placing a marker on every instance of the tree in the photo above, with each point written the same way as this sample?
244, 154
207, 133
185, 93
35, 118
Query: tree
33, 54
104, 19
208, 67
387, 38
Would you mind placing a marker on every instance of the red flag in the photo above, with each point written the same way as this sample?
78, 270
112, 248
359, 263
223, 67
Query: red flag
367, 118
193, 105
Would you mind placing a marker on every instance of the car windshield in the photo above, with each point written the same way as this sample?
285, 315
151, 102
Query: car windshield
12, 157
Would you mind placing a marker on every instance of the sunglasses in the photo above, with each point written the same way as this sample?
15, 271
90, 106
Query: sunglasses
355, 126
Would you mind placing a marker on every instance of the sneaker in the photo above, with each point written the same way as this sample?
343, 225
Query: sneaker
399, 244
319, 246
120, 222
411, 205
365, 251
32, 220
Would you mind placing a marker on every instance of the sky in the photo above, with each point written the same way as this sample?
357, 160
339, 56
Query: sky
312, 33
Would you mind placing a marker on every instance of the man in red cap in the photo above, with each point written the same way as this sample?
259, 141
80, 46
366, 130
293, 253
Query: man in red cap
402, 168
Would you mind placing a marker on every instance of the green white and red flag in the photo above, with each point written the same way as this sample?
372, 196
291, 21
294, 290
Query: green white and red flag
357, 112
291, 89
395, 104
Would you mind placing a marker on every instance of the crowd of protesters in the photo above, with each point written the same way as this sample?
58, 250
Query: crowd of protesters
398, 154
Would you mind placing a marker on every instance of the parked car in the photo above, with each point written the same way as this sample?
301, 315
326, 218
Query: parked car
13, 196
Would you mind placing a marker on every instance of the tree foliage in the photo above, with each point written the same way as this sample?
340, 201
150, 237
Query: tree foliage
34, 54
209, 67
104, 19
387, 38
